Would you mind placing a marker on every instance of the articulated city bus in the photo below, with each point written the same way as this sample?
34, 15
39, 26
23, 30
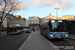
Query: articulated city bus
14, 29
54, 28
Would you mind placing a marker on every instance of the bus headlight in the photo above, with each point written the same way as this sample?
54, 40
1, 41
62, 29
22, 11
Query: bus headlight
51, 35
66, 35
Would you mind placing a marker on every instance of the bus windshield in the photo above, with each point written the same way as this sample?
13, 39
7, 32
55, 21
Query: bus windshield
58, 26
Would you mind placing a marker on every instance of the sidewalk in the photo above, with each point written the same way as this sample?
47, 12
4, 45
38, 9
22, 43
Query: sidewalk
72, 36
3, 34
36, 41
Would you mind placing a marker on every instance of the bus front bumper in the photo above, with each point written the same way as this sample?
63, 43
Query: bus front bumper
59, 37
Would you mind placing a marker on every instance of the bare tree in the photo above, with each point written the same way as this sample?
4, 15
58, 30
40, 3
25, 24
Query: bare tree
7, 6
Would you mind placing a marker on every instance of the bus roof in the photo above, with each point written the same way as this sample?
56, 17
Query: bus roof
46, 21
53, 19
17, 25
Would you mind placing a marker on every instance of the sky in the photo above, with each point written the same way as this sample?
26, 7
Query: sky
43, 8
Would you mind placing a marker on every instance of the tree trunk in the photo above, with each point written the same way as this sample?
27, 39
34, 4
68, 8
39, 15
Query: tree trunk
0, 27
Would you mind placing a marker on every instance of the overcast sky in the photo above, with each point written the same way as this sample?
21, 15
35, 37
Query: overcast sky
43, 8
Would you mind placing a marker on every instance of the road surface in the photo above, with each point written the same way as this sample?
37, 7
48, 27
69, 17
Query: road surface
36, 41
12, 42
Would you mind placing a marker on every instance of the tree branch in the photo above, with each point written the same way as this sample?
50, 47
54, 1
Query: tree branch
3, 11
7, 14
11, 7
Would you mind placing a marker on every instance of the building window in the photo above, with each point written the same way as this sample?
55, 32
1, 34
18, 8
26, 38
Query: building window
33, 22
36, 22
30, 22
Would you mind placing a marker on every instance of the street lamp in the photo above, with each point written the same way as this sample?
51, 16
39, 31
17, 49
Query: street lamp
57, 12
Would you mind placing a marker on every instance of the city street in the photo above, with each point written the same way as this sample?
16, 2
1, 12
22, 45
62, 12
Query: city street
34, 41
37, 25
12, 42
37, 41
65, 42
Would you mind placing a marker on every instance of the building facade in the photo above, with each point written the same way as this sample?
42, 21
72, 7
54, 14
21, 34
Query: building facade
34, 21
11, 19
16, 20
42, 20
48, 17
68, 17
51, 17
19, 20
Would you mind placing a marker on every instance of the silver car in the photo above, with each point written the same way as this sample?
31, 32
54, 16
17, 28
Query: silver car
27, 31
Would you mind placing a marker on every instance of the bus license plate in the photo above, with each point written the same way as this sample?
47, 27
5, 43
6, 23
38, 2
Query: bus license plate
58, 35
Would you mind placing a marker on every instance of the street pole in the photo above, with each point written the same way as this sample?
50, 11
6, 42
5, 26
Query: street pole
57, 12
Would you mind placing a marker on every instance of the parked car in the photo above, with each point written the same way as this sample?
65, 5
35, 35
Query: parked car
24, 29
27, 31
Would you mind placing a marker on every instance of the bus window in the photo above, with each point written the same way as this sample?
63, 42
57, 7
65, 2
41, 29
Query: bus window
58, 26
12, 29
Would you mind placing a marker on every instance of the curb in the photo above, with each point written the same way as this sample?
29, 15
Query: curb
2, 35
21, 47
72, 38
